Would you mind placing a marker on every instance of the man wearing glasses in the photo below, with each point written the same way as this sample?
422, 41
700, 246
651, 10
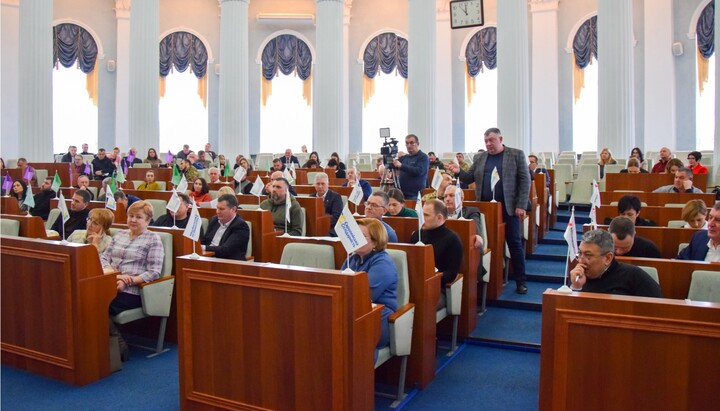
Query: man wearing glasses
413, 167
598, 271
375, 207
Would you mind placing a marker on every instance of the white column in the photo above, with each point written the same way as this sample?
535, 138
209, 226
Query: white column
716, 150
659, 74
327, 77
10, 77
35, 98
122, 78
616, 100
513, 73
345, 137
545, 105
443, 68
144, 78
234, 130
421, 72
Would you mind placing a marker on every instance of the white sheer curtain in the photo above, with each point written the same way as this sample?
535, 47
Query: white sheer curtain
183, 118
286, 119
75, 117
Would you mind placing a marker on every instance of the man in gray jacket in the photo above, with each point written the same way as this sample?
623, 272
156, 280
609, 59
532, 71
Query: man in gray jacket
512, 190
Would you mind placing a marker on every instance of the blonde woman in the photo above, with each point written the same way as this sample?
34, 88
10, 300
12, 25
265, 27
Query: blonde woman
605, 158
98, 230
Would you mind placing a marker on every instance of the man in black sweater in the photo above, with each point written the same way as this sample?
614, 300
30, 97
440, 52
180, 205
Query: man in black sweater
627, 243
42, 199
78, 215
102, 165
598, 271
182, 216
447, 246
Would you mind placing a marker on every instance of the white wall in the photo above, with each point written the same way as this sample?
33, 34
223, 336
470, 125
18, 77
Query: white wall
9, 99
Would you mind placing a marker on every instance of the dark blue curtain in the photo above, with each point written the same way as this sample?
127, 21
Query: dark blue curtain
182, 50
73, 43
286, 53
706, 31
585, 43
481, 51
387, 51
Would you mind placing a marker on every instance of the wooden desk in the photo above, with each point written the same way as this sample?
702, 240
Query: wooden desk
30, 226
543, 201
265, 336
602, 352
658, 214
674, 275
10, 205
532, 222
659, 199
317, 223
496, 243
647, 181
424, 293
55, 302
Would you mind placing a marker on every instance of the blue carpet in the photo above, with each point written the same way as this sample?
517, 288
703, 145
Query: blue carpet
509, 325
483, 378
557, 236
533, 297
148, 383
550, 268
551, 251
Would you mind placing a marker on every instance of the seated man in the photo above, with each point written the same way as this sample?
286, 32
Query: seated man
705, 244
332, 200
289, 158
78, 215
535, 168
22, 164
42, 199
447, 246
181, 215
150, 183
598, 271
182, 154
274, 176
353, 177
214, 175
447, 180
629, 206
70, 155
627, 243
202, 159
186, 167
193, 159
665, 156
85, 150
126, 200
102, 165
228, 234
375, 207
276, 205
278, 165
469, 213
683, 183
83, 184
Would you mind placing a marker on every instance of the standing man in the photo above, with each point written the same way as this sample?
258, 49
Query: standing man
228, 234
85, 149
665, 156
512, 191
331, 200
413, 168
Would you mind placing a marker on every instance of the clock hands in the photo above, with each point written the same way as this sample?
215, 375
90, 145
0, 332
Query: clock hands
464, 9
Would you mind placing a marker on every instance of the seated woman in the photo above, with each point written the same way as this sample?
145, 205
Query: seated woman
225, 190
673, 165
396, 206
382, 274
694, 213
200, 192
605, 158
98, 230
633, 167
694, 163
152, 158
135, 256
313, 156
20, 191
341, 165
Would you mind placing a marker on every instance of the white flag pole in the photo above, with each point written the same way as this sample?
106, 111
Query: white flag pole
348, 269
565, 289
194, 255
174, 225
63, 241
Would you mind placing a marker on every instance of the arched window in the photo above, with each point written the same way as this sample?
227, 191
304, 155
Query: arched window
75, 114
585, 87
286, 112
705, 94
480, 81
385, 103
183, 93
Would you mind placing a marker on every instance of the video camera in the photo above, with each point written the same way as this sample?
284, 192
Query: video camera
389, 149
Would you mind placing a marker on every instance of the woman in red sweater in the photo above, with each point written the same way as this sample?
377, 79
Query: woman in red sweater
200, 192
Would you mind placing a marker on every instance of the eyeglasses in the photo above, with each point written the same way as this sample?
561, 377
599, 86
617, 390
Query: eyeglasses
373, 205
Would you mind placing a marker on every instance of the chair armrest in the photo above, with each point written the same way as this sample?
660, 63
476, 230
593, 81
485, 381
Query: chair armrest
208, 253
401, 325
157, 295
486, 262
453, 294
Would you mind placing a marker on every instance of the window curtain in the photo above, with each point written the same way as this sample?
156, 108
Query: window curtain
288, 54
180, 50
73, 45
584, 50
387, 52
705, 34
480, 53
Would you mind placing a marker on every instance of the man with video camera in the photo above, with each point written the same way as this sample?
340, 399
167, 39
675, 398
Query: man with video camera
412, 167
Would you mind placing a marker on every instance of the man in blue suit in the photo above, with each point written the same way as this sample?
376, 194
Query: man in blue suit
512, 191
332, 200
705, 244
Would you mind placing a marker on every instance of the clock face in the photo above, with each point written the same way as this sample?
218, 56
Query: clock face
466, 13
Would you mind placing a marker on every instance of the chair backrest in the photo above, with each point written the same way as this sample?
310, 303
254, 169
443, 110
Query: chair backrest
9, 227
303, 230
675, 205
676, 223
399, 257
213, 194
311, 177
652, 272
309, 255
158, 207
249, 206
588, 171
41, 174
52, 216
88, 158
248, 253
682, 246
142, 165
136, 183
162, 184
613, 168
205, 223
705, 286
344, 200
